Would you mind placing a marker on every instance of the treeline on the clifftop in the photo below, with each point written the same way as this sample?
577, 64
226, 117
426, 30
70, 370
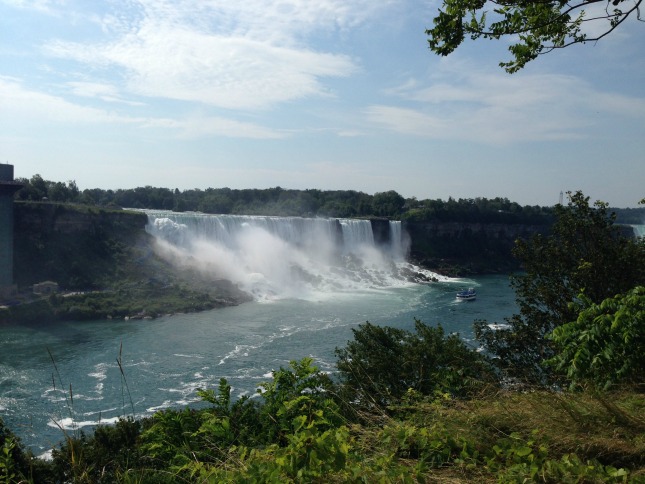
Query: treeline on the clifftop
306, 203
285, 202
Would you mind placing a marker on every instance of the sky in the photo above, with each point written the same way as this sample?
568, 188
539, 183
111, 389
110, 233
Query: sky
326, 94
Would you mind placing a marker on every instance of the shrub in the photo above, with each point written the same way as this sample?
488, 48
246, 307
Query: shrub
381, 364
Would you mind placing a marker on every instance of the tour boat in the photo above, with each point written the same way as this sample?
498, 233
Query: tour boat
467, 294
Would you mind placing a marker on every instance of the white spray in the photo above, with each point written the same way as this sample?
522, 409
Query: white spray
283, 257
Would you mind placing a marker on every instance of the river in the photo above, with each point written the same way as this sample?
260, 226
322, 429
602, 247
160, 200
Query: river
167, 359
312, 282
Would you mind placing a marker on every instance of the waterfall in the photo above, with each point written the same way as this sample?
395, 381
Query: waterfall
639, 230
396, 240
356, 234
284, 257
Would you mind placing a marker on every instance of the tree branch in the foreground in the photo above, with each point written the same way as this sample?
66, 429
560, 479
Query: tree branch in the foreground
541, 25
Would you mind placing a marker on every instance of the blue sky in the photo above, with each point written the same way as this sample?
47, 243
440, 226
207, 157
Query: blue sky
331, 94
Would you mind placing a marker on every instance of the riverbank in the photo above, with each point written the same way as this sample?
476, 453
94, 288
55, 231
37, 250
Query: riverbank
128, 301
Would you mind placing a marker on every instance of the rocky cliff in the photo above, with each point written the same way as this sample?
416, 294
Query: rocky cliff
78, 247
108, 258
105, 266
460, 248
51, 218
85, 247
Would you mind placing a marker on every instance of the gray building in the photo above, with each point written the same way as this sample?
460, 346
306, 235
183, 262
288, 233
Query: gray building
7, 188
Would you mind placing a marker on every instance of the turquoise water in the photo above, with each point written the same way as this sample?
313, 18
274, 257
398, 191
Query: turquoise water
167, 359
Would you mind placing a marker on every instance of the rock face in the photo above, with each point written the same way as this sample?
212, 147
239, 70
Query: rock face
51, 218
462, 248
78, 247
104, 263
457, 230
381, 230
82, 247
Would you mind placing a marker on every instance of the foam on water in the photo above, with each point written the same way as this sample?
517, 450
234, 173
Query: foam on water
163, 406
70, 423
239, 350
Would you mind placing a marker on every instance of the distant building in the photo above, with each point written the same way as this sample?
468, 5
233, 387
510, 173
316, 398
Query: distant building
45, 288
7, 188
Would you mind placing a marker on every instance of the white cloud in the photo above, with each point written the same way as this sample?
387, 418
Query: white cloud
406, 121
274, 21
497, 108
229, 73
205, 126
49, 7
350, 133
234, 55
22, 104
105, 92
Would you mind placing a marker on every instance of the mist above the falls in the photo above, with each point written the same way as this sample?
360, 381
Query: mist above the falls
274, 257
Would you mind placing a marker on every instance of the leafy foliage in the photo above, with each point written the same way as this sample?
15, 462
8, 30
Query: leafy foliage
13, 461
535, 27
606, 343
301, 437
584, 253
476, 210
17, 464
296, 398
98, 458
286, 202
382, 364
517, 459
298, 421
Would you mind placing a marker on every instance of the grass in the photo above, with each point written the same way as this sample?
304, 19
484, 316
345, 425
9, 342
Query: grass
501, 436
609, 428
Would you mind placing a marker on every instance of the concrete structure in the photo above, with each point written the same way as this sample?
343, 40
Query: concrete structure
7, 188
45, 288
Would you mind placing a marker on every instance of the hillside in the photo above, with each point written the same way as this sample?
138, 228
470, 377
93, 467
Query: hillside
105, 266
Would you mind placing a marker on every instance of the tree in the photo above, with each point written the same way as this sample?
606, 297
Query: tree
32, 189
58, 192
606, 343
388, 203
216, 203
40, 186
536, 27
381, 364
584, 253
